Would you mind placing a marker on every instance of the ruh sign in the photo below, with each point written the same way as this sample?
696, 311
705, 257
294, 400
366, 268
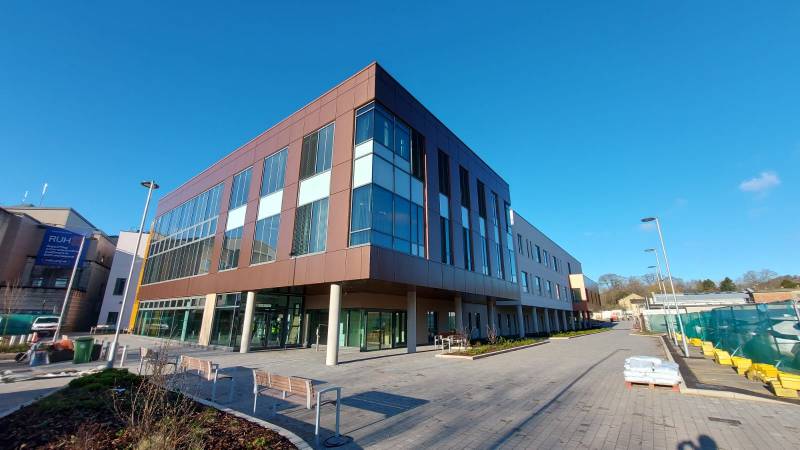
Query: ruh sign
59, 248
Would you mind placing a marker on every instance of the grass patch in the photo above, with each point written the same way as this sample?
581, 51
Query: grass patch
501, 344
85, 415
16, 348
579, 332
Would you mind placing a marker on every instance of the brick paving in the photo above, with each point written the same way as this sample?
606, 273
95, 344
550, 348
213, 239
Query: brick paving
565, 394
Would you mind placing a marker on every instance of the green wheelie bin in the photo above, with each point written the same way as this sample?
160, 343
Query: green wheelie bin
83, 350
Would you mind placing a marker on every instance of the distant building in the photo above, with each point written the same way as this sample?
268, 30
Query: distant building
39, 284
586, 296
632, 303
775, 295
118, 279
700, 302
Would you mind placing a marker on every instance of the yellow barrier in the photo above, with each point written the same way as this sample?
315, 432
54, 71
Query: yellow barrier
789, 380
722, 357
781, 391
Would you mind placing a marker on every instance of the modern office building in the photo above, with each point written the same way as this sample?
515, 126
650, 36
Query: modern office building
34, 282
361, 219
118, 279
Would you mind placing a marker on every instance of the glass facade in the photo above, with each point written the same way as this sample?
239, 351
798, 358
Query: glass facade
232, 242
494, 215
512, 259
483, 245
183, 238
178, 319
466, 234
388, 188
310, 228
317, 152
265, 240
387, 220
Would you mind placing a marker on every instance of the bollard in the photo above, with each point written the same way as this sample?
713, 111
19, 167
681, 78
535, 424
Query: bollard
13, 341
104, 351
21, 339
124, 354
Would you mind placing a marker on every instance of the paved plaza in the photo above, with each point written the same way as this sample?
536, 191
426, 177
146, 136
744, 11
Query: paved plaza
565, 394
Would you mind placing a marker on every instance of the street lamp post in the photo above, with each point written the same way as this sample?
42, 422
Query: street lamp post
671, 283
151, 186
660, 279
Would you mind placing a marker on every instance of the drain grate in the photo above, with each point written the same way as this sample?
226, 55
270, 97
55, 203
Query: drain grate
733, 422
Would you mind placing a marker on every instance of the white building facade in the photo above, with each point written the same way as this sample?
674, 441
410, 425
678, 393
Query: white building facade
546, 297
118, 282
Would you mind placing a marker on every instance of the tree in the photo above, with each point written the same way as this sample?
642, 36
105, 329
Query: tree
708, 285
727, 285
11, 296
788, 284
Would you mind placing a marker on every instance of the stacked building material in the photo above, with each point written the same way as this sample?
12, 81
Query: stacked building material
650, 370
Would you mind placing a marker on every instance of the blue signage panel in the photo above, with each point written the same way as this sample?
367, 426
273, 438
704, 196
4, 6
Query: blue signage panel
59, 248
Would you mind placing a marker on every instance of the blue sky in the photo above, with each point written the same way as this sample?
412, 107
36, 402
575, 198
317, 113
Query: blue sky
596, 113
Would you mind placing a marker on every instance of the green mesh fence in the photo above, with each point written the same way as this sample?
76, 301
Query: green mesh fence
765, 333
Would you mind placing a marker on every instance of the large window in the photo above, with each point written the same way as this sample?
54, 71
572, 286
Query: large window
494, 211
524, 282
232, 242
537, 285
317, 152
265, 242
444, 208
466, 233
178, 319
483, 245
119, 286
512, 258
388, 188
183, 238
239, 188
231, 245
310, 228
387, 220
274, 172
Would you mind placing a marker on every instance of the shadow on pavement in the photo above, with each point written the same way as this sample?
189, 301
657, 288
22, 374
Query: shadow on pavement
704, 442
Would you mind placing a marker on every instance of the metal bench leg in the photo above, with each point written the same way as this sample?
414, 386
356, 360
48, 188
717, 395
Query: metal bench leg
214, 388
230, 394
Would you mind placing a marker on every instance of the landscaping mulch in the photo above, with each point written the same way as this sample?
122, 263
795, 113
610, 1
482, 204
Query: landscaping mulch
82, 416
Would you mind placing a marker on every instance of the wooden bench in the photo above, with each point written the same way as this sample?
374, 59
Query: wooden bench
148, 356
295, 389
205, 370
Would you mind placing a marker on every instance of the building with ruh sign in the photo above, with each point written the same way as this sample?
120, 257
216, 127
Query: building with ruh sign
361, 219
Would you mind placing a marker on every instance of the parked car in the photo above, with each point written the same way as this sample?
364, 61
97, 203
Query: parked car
44, 325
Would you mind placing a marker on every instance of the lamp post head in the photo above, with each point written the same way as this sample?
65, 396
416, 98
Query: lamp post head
648, 219
649, 250
150, 184
651, 267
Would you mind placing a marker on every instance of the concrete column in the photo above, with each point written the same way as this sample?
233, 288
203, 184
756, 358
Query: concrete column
491, 306
411, 320
572, 321
546, 320
564, 319
208, 320
332, 345
459, 314
535, 317
247, 323
520, 321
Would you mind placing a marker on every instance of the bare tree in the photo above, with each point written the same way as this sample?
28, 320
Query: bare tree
491, 334
12, 295
158, 416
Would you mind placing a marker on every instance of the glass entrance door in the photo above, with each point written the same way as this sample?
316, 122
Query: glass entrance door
373, 325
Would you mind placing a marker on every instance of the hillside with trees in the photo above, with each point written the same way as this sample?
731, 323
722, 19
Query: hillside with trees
613, 287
